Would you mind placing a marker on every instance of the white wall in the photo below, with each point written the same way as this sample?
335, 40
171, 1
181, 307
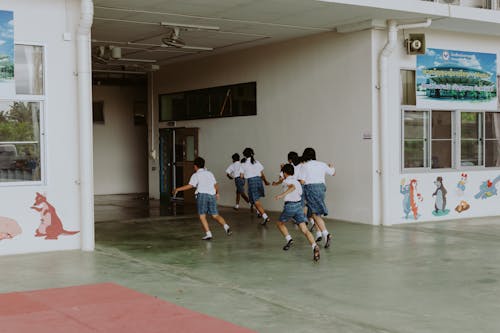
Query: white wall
120, 147
314, 91
61, 126
426, 187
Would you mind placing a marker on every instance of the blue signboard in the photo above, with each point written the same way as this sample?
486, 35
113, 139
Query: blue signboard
450, 79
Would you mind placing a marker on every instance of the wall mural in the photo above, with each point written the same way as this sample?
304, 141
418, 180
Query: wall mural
487, 189
411, 198
9, 228
440, 197
50, 224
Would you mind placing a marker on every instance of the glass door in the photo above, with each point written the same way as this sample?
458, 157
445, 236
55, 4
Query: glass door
178, 149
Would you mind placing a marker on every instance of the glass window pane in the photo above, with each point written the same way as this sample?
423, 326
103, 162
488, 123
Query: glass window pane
19, 141
441, 124
441, 154
492, 125
190, 148
470, 153
29, 69
414, 154
408, 95
492, 153
470, 125
414, 124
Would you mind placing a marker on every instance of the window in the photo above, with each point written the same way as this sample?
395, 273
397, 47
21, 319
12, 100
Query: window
20, 127
19, 141
441, 139
98, 112
415, 139
226, 101
408, 92
471, 139
492, 139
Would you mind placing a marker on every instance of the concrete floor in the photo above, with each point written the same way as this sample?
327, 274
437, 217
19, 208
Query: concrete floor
432, 277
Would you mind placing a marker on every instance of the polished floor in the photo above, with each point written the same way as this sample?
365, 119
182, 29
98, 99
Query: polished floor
430, 277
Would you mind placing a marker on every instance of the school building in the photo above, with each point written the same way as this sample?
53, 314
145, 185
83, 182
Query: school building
111, 97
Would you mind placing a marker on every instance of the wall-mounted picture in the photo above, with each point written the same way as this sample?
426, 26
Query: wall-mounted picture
7, 84
452, 79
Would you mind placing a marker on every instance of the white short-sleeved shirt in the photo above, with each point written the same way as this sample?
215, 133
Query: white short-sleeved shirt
299, 171
296, 194
314, 172
234, 170
250, 170
204, 181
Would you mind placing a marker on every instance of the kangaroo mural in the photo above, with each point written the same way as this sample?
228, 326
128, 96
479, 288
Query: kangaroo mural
50, 224
487, 189
9, 228
411, 197
440, 194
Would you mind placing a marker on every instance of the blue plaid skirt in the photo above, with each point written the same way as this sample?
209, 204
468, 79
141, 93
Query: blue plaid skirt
293, 210
240, 184
255, 189
303, 196
206, 204
315, 199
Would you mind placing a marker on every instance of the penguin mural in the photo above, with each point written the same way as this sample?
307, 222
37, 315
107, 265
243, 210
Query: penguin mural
440, 197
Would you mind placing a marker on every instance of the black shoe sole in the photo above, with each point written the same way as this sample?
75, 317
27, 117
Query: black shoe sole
287, 246
207, 239
229, 232
328, 240
319, 239
316, 253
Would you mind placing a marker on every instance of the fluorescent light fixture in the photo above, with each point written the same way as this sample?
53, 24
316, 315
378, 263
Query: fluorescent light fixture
137, 60
190, 26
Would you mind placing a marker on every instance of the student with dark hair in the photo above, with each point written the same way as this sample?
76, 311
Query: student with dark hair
234, 172
293, 210
207, 193
314, 187
252, 171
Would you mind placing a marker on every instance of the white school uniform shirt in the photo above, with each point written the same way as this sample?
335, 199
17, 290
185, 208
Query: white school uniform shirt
250, 170
299, 171
314, 172
296, 194
204, 181
234, 170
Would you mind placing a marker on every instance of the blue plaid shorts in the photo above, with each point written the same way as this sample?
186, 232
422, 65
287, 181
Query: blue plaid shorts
240, 184
206, 204
293, 210
255, 189
315, 199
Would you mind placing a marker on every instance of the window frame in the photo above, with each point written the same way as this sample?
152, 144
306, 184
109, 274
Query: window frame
43, 102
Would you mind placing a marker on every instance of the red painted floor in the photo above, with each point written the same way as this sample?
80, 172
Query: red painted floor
99, 308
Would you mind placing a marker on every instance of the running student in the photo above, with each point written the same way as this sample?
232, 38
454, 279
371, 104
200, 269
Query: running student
293, 209
251, 170
234, 172
313, 173
207, 193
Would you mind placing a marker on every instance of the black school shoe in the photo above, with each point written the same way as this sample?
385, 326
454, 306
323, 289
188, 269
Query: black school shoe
316, 253
319, 239
207, 238
265, 221
328, 239
287, 245
229, 232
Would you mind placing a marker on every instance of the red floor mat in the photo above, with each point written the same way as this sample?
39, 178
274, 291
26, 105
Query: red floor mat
100, 308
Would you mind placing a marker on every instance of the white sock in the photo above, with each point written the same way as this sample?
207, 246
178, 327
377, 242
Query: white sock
236, 206
311, 220
325, 233
264, 216
288, 237
226, 226
209, 234
318, 234
314, 245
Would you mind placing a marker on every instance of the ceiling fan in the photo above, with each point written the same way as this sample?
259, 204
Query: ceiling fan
173, 38
104, 54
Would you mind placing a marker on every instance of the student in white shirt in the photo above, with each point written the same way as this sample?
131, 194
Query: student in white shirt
251, 170
207, 193
314, 187
234, 172
293, 210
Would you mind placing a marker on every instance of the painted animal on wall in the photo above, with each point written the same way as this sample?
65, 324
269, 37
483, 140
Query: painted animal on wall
461, 184
440, 197
9, 228
50, 224
487, 189
411, 198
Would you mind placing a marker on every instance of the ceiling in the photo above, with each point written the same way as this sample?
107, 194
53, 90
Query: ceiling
135, 27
